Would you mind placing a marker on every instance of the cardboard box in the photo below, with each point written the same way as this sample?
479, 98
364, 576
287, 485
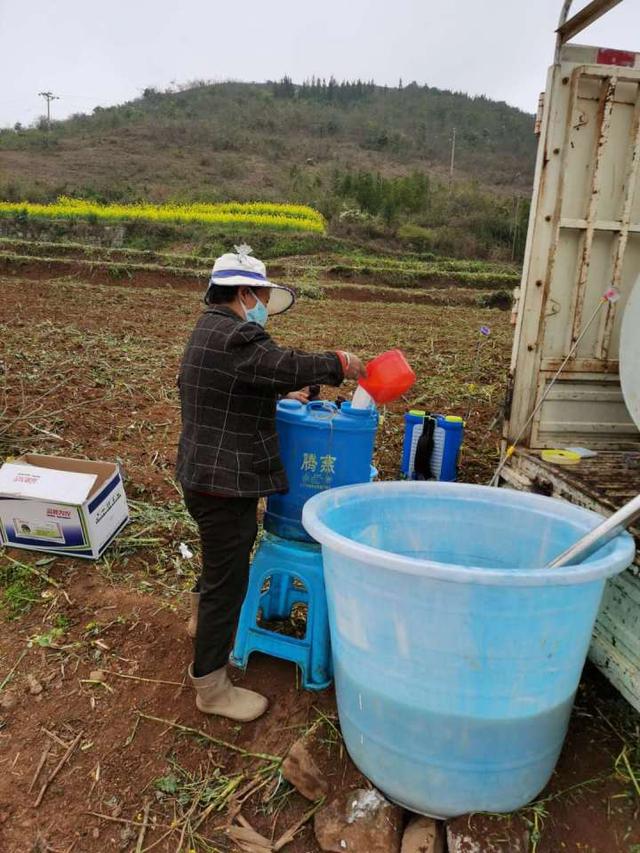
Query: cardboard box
62, 506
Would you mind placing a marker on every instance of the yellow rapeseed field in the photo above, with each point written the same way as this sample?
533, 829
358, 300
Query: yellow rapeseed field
267, 215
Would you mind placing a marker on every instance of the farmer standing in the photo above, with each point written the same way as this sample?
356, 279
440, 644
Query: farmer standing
231, 376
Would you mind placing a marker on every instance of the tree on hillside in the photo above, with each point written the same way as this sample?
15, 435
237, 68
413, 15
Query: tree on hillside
284, 88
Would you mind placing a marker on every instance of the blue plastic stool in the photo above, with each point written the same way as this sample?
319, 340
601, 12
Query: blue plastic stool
285, 561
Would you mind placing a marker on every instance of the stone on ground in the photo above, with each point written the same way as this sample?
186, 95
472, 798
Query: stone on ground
359, 821
34, 685
423, 835
300, 769
483, 834
8, 700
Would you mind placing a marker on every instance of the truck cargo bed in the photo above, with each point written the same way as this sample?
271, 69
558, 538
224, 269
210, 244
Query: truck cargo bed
602, 484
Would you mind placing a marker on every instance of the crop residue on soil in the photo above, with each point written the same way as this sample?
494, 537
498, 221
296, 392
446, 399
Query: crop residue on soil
96, 654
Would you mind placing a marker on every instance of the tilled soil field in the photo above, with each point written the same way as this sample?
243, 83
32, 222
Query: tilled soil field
93, 655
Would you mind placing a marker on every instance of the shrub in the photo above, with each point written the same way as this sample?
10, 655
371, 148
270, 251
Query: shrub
310, 290
416, 237
354, 214
501, 299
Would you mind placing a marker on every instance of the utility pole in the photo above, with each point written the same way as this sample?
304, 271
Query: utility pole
453, 157
48, 96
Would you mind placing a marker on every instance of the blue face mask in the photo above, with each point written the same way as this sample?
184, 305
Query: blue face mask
258, 314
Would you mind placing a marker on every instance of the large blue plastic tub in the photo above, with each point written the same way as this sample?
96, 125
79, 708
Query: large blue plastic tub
456, 654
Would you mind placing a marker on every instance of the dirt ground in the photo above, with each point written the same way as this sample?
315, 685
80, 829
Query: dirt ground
89, 652
120, 754
439, 293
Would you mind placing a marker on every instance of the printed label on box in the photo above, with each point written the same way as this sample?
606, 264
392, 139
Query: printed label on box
35, 523
47, 530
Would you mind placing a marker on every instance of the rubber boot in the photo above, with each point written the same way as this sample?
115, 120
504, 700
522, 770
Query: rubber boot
192, 624
215, 694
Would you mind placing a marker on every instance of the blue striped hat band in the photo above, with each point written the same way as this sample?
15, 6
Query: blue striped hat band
233, 273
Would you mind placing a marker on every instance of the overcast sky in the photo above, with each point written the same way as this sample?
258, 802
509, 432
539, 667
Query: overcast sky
105, 53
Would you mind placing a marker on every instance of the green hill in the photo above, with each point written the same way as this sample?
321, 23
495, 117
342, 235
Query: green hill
354, 150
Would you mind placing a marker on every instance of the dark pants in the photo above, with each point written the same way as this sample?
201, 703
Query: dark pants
228, 528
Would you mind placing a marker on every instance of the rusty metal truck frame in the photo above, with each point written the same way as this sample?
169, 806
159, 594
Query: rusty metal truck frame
583, 238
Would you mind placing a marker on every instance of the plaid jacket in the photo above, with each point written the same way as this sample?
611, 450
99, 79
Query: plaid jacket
231, 375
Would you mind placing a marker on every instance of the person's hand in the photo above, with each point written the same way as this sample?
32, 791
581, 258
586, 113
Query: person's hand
352, 367
301, 396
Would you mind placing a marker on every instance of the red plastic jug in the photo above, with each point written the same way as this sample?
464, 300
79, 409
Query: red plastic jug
389, 376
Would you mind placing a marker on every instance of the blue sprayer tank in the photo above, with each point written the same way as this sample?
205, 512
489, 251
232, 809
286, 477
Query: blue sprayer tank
321, 446
442, 464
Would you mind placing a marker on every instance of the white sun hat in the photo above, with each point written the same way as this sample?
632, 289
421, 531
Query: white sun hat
239, 268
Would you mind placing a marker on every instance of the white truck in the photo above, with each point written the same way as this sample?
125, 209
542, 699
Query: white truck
583, 238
